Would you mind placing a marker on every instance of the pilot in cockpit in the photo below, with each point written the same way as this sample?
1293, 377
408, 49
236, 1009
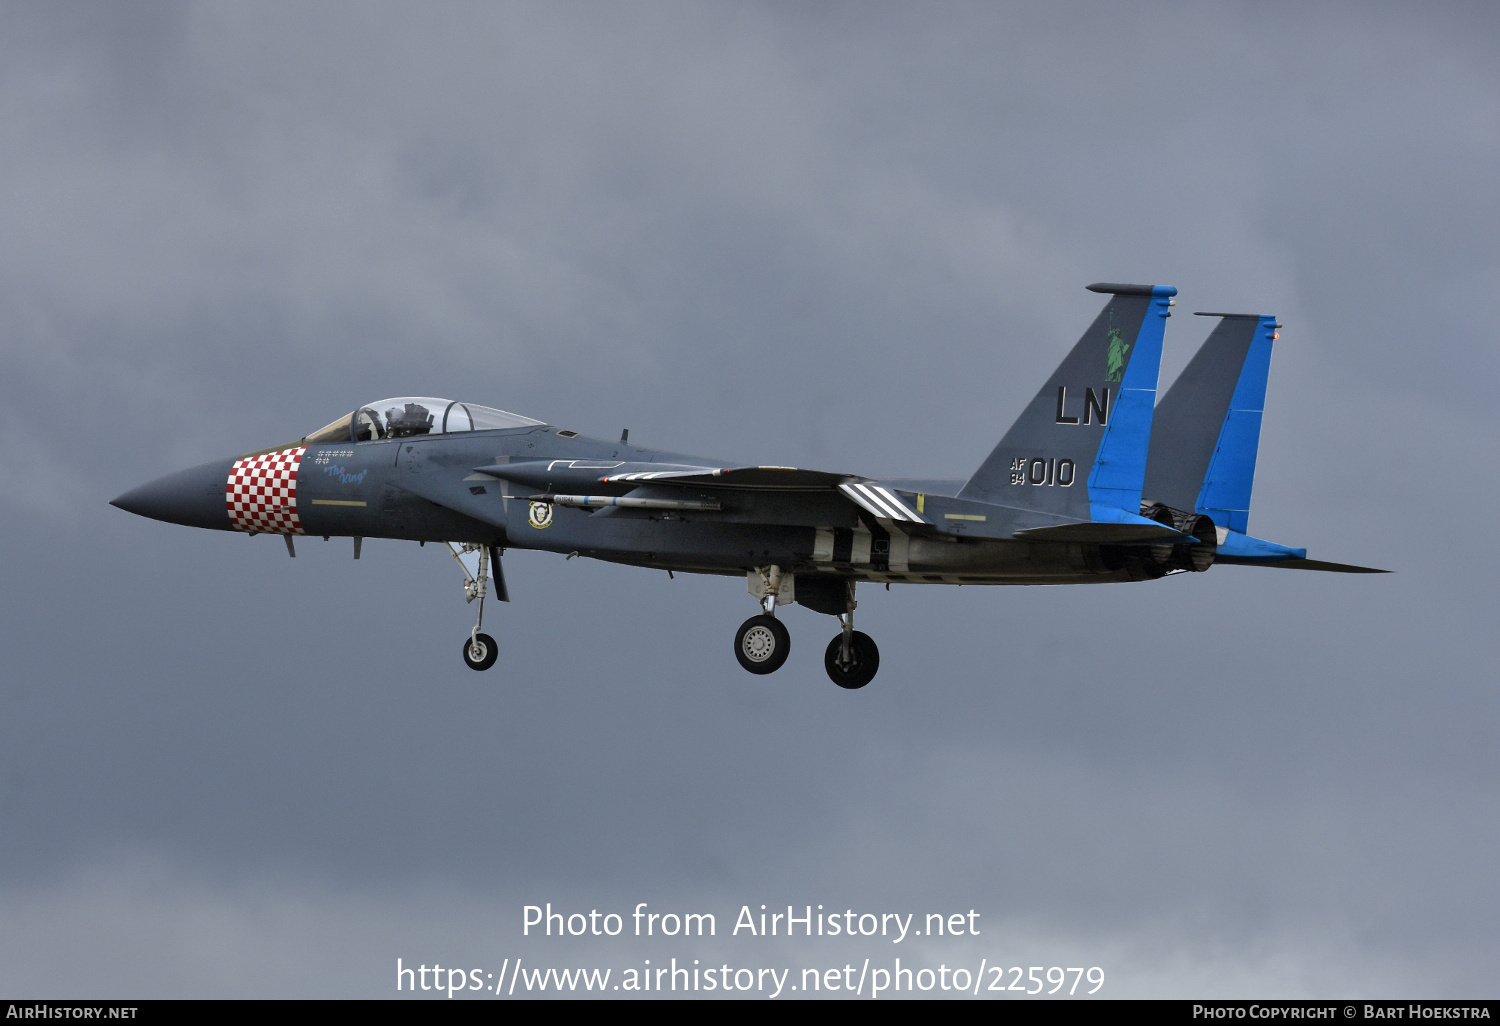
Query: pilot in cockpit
415, 415
414, 420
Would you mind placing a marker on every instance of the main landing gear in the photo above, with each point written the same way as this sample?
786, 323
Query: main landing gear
852, 657
480, 650
762, 643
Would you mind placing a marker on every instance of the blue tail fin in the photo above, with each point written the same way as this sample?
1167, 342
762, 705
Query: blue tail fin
1079, 449
1207, 428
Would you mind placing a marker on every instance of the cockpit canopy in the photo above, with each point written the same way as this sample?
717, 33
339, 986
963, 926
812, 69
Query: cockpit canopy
415, 415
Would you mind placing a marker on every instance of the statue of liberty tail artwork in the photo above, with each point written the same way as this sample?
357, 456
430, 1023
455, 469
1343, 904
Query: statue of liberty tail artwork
1118, 348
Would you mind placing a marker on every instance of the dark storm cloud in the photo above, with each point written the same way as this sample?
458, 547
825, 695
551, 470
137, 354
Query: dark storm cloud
846, 236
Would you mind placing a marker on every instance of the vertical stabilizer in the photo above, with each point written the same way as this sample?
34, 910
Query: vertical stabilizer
1079, 449
1207, 429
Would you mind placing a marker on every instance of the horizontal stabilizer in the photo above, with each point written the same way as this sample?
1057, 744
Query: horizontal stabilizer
1304, 564
1235, 547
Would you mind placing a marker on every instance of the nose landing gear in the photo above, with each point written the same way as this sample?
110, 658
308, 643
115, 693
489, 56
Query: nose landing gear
480, 650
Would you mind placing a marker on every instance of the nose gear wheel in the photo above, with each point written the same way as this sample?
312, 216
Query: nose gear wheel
480, 652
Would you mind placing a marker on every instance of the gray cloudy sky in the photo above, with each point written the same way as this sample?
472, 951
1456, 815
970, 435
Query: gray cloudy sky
846, 236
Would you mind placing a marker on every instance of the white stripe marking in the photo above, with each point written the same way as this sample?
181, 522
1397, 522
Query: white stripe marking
869, 501
895, 500
888, 505
853, 495
877, 495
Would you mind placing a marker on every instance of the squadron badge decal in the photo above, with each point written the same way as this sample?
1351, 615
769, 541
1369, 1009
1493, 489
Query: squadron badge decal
540, 515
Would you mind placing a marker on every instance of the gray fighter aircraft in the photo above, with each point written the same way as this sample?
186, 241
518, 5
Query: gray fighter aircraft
1080, 490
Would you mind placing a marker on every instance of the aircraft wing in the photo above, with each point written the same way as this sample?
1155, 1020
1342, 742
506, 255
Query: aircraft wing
913, 511
777, 478
549, 474
558, 475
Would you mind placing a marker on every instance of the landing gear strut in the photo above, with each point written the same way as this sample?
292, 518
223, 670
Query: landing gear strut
480, 650
762, 643
852, 657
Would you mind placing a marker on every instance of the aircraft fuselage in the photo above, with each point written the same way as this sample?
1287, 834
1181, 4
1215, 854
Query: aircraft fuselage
425, 489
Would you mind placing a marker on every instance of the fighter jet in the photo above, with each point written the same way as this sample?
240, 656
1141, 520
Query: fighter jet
1080, 490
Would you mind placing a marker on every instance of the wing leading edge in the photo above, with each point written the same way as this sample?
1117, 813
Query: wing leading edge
560, 473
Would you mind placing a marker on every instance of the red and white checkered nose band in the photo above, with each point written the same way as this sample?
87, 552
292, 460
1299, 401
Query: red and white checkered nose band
262, 493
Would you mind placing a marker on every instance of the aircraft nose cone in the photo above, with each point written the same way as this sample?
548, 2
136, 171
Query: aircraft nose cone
194, 497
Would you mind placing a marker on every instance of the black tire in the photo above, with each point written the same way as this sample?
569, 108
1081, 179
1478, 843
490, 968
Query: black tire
762, 644
865, 661
487, 652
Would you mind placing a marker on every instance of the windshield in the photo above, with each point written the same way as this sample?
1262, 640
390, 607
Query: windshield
415, 415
